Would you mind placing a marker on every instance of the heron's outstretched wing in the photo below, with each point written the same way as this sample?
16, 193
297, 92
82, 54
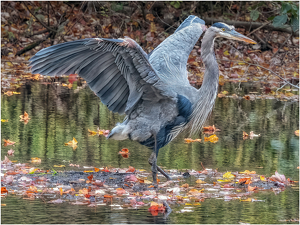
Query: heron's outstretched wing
117, 70
169, 59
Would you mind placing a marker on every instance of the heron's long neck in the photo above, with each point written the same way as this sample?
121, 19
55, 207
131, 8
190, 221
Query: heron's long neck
208, 91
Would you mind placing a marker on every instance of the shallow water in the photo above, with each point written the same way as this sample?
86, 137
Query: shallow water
59, 114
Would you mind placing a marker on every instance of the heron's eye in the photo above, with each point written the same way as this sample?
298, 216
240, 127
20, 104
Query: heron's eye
223, 29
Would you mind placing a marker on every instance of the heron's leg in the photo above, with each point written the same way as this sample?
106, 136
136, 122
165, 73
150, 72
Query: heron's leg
153, 162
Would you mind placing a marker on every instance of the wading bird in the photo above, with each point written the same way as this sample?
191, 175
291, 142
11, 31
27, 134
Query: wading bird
152, 90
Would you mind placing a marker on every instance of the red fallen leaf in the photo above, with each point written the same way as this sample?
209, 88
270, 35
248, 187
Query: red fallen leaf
4, 190
131, 169
87, 196
125, 156
153, 208
90, 177
108, 196
124, 152
72, 78
8, 142
105, 170
11, 173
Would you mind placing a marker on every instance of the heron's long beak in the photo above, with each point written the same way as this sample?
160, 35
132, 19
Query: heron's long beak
237, 36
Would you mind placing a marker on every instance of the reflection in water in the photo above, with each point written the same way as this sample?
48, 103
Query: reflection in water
59, 114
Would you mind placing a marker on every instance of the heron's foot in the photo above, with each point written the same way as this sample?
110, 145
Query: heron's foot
152, 160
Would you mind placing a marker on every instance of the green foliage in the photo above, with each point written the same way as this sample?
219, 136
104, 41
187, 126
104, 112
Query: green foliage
289, 14
116, 6
175, 4
280, 20
254, 15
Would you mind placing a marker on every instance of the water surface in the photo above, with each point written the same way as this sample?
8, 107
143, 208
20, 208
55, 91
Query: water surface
59, 114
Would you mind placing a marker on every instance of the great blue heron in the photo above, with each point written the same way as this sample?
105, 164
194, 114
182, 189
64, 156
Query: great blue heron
152, 90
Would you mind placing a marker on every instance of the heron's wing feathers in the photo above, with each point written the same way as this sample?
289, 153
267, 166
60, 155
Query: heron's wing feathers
117, 70
169, 59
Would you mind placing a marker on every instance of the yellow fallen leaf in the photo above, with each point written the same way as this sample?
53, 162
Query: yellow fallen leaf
246, 200
212, 138
262, 178
226, 180
226, 52
59, 166
228, 175
72, 143
3, 120
92, 133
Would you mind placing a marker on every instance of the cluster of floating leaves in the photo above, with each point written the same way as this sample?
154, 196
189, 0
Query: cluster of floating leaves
130, 188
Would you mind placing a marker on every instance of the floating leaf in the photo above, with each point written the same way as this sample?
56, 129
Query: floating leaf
190, 140
247, 172
4, 190
3, 120
228, 175
72, 143
25, 118
244, 181
130, 169
212, 138
59, 166
8, 142
92, 133
200, 181
36, 160
297, 133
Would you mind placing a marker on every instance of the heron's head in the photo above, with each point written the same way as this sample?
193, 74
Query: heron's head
226, 31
